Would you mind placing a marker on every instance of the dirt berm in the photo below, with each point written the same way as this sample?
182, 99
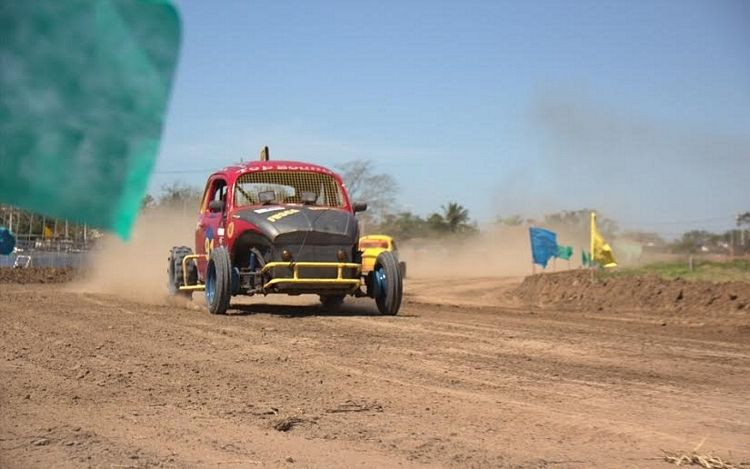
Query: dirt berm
577, 289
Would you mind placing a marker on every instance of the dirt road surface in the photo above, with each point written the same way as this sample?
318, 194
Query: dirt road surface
458, 379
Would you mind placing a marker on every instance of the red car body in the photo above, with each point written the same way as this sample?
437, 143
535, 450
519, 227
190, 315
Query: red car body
222, 229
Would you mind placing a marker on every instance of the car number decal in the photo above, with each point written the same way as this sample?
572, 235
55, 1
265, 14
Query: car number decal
278, 216
267, 209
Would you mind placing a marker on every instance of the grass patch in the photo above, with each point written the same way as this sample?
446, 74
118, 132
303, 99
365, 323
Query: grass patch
738, 269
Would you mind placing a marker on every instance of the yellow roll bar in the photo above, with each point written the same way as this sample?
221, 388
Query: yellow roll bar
185, 260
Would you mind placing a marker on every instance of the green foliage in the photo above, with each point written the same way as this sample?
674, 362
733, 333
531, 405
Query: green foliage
404, 225
695, 240
436, 223
454, 221
455, 218
179, 194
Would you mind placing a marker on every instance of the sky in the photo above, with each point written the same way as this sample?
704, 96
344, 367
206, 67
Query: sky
640, 110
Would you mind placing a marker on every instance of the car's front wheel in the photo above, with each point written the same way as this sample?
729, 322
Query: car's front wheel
388, 285
218, 281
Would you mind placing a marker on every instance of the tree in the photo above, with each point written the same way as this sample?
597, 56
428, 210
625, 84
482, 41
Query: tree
147, 202
743, 219
364, 184
404, 225
437, 223
456, 218
694, 240
179, 194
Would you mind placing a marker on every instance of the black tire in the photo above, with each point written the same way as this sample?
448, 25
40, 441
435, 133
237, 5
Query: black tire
388, 296
176, 275
402, 269
332, 302
218, 281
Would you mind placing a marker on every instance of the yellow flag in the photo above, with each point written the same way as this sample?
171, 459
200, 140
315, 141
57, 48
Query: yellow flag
47, 233
601, 252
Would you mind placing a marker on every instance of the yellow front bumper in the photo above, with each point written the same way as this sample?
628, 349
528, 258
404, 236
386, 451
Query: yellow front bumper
349, 284
295, 279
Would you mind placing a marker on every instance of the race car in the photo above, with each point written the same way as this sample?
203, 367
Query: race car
372, 246
281, 227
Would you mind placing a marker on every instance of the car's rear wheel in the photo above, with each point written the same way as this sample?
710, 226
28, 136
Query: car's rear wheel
388, 285
176, 274
218, 281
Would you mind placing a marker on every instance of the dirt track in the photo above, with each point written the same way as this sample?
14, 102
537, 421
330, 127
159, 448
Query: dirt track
95, 380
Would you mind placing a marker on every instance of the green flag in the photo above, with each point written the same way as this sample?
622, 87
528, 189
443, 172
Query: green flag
585, 258
83, 92
564, 252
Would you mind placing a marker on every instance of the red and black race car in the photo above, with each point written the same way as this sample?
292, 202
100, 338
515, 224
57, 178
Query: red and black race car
280, 227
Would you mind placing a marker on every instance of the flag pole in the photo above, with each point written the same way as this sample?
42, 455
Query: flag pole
531, 240
591, 245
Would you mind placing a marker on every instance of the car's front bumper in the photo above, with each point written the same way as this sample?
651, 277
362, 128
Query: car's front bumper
288, 277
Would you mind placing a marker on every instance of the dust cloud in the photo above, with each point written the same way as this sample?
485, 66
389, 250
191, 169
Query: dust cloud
632, 165
137, 269
495, 252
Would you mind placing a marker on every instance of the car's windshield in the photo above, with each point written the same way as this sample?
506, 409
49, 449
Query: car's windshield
288, 187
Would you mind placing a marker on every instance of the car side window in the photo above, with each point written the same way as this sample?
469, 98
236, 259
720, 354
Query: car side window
220, 191
217, 190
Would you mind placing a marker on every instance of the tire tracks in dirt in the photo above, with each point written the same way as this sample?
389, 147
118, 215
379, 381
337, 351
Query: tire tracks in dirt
463, 386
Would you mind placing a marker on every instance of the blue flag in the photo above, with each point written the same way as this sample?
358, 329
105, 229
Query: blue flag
543, 245
7, 241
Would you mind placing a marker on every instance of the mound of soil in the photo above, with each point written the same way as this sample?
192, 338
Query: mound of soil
576, 289
36, 275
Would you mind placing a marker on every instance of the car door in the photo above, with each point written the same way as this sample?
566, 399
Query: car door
210, 222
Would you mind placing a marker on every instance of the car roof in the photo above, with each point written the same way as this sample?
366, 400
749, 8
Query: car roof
275, 165
376, 238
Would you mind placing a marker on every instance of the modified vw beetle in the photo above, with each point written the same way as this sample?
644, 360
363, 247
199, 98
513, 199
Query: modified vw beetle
280, 227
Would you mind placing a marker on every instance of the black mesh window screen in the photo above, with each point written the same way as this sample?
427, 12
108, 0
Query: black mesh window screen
288, 187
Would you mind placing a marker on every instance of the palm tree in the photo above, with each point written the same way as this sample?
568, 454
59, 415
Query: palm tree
455, 216
437, 223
